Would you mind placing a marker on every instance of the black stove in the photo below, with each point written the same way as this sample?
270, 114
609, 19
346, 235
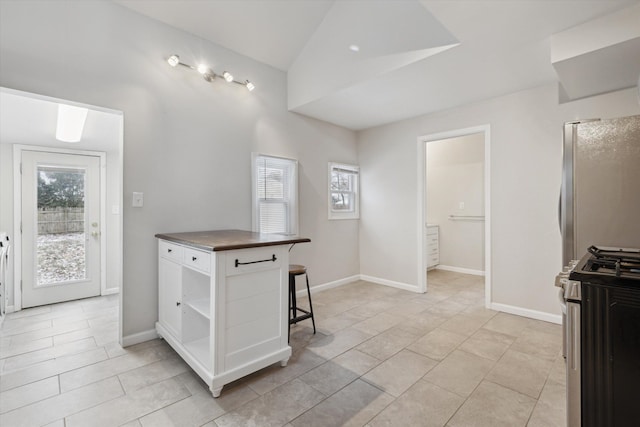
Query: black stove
606, 337
609, 266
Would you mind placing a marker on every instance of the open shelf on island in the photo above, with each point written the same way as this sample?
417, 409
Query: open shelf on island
201, 306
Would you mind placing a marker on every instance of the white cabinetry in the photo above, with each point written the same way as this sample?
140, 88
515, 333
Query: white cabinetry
433, 246
224, 312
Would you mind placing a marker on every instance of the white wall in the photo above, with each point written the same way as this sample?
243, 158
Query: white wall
455, 174
187, 143
526, 153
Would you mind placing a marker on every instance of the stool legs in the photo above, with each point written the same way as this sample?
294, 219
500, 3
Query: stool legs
310, 305
293, 306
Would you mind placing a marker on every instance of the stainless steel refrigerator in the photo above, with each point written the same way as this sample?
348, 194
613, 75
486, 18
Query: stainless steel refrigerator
600, 201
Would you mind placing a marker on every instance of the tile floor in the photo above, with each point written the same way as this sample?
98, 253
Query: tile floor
381, 357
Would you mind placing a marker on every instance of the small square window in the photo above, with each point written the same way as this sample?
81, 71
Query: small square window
343, 191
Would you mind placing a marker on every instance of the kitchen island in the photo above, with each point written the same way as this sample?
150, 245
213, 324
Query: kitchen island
223, 301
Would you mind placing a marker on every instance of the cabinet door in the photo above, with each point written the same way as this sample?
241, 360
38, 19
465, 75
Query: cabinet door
170, 296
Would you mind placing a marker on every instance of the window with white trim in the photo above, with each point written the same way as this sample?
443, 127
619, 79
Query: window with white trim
344, 200
275, 194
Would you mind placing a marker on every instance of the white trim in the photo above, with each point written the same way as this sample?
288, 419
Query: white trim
525, 312
121, 227
9, 309
391, 283
422, 200
422, 214
17, 234
103, 225
329, 285
460, 270
143, 336
110, 291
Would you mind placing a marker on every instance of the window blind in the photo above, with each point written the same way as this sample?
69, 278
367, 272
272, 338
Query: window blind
275, 195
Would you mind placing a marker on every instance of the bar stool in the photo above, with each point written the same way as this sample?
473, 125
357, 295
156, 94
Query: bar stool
294, 271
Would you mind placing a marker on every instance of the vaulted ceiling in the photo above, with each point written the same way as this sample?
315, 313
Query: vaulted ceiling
412, 57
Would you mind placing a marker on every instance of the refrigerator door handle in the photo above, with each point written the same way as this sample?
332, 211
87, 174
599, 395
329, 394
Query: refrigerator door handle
560, 211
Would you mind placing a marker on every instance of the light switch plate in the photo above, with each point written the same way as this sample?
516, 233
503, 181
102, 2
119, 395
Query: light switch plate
138, 200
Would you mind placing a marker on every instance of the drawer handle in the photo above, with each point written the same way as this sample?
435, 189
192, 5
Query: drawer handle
273, 259
194, 258
177, 303
169, 250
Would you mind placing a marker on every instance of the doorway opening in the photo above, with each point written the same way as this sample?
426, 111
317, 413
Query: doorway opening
65, 206
454, 198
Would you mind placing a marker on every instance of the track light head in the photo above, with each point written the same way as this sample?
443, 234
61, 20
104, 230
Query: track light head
227, 76
173, 60
250, 86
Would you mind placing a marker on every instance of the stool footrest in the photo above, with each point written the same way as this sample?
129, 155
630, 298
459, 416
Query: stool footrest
296, 319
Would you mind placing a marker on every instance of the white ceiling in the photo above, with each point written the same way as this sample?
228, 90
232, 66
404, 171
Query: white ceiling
431, 56
31, 120
503, 47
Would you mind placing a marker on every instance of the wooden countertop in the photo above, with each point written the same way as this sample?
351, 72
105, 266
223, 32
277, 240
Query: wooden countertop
226, 240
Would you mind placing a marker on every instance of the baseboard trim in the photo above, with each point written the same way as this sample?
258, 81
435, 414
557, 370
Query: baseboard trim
460, 270
525, 312
110, 291
143, 336
391, 283
328, 285
10, 309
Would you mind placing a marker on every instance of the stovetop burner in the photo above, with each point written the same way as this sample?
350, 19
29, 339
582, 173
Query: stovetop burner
614, 261
609, 266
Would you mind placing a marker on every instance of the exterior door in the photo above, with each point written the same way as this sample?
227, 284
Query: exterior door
60, 227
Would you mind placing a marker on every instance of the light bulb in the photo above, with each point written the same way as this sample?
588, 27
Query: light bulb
202, 69
173, 60
227, 76
250, 86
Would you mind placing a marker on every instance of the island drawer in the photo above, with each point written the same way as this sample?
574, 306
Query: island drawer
200, 260
170, 251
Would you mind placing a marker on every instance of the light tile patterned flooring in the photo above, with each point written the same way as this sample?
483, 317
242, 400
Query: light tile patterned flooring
381, 357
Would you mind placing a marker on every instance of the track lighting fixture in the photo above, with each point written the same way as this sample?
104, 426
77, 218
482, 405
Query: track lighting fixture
208, 74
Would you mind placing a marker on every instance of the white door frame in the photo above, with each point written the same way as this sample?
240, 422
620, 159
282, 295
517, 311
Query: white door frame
422, 202
17, 213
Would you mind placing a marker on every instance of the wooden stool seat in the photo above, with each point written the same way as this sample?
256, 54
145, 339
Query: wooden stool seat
294, 271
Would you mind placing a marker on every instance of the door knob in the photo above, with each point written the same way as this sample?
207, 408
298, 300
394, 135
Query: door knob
94, 224
95, 233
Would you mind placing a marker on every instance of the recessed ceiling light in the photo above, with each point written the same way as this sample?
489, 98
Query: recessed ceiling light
354, 48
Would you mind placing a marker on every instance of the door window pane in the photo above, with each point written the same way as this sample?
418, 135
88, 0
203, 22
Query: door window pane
61, 251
